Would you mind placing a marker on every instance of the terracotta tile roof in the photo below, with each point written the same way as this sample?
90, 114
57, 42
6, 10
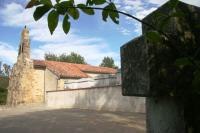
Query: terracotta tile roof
39, 63
95, 69
70, 70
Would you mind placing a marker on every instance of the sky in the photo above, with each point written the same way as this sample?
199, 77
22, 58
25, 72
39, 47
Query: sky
89, 36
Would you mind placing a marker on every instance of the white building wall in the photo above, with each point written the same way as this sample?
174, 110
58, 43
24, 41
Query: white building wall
99, 81
51, 81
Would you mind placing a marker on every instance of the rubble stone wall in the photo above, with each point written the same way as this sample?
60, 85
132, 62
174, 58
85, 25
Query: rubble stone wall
26, 85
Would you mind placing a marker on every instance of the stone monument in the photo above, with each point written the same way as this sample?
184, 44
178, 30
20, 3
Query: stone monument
143, 75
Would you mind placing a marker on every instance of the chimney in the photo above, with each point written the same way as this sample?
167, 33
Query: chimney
24, 46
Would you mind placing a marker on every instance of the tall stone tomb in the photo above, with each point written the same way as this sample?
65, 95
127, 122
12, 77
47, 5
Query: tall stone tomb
149, 70
21, 82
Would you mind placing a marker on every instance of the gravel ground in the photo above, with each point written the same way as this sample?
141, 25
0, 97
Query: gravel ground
39, 119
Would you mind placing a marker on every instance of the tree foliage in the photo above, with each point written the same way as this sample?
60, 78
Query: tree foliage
51, 57
4, 81
71, 58
108, 62
68, 9
5, 69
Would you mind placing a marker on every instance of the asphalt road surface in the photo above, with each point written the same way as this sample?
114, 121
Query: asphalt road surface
70, 121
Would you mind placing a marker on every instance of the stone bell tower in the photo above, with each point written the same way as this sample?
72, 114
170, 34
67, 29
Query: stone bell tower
20, 89
24, 47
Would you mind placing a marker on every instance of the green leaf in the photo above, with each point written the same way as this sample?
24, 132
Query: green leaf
74, 13
113, 18
32, 3
89, 2
46, 2
72, 1
63, 6
40, 11
181, 62
113, 7
66, 24
53, 20
66, 4
153, 36
99, 2
60, 8
114, 15
57, 1
105, 15
88, 11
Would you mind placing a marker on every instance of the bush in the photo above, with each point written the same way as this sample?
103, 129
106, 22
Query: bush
4, 81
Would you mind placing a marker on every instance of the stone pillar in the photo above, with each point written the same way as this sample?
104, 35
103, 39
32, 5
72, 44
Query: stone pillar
21, 89
164, 115
146, 76
24, 47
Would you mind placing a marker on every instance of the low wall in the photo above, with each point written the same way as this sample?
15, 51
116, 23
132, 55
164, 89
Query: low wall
104, 98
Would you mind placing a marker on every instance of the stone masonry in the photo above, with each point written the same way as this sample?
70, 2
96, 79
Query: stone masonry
22, 84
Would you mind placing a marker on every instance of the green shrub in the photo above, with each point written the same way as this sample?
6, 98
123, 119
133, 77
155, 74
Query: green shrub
4, 81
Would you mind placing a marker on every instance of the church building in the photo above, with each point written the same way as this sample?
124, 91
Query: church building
30, 79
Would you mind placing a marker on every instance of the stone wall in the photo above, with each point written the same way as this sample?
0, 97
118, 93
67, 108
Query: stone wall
104, 98
38, 85
18, 92
25, 85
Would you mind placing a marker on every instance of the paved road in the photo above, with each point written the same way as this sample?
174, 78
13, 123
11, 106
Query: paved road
70, 121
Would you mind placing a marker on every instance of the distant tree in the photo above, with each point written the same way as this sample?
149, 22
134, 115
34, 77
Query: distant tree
4, 82
50, 57
6, 69
1, 72
71, 58
108, 62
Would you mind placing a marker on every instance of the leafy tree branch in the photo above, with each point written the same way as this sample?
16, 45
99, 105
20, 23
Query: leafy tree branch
69, 9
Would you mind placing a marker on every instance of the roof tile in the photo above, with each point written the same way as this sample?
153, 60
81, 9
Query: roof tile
70, 70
